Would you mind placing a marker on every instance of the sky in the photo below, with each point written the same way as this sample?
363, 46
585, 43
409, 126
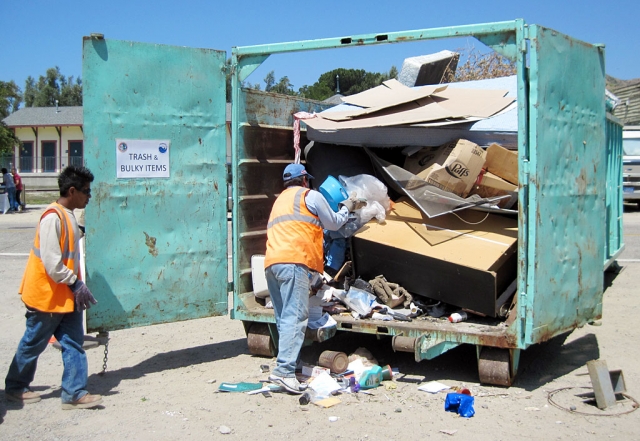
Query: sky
37, 35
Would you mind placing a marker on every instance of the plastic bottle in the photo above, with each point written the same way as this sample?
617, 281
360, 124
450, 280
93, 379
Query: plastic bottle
371, 377
457, 317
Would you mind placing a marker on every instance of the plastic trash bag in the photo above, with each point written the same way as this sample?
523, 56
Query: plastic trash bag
374, 191
358, 300
462, 404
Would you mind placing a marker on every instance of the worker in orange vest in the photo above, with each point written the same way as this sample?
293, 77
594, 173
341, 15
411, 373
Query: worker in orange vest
55, 297
294, 253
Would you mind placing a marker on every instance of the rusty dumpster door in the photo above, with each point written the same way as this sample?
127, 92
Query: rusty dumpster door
155, 139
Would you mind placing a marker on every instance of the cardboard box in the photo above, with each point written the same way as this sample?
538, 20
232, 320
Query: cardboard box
452, 167
442, 258
491, 186
502, 162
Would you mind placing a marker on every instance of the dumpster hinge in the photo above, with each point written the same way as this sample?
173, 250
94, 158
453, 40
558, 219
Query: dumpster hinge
229, 286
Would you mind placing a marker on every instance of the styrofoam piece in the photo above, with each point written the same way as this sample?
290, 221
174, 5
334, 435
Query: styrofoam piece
411, 67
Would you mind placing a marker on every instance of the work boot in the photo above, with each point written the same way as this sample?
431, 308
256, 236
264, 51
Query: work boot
27, 397
86, 402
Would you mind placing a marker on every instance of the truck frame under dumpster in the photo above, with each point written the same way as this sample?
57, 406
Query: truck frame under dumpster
157, 245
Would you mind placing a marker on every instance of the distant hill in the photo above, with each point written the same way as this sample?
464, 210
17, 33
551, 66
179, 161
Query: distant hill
615, 83
628, 91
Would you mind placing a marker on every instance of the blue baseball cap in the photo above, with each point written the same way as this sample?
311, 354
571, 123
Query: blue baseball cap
293, 171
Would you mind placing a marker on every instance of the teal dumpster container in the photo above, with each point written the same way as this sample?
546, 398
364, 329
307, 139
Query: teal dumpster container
157, 230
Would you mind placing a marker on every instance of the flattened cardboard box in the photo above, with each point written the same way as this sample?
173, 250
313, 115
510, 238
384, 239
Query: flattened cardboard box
452, 167
442, 258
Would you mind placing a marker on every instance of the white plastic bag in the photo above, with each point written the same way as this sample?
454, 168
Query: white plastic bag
374, 191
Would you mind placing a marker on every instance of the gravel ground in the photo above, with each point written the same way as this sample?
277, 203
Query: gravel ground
162, 381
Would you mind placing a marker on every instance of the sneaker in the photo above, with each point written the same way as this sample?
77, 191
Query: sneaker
290, 384
86, 402
27, 397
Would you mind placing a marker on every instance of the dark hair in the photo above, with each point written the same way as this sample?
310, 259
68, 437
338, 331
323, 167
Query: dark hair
299, 182
73, 176
4, 171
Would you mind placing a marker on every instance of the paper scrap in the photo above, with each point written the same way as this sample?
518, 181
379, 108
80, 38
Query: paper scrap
433, 387
324, 385
328, 402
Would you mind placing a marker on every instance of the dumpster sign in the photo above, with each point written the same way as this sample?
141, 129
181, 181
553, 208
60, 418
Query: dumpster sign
142, 158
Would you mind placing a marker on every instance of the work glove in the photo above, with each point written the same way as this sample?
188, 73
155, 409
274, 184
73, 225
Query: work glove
349, 203
84, 298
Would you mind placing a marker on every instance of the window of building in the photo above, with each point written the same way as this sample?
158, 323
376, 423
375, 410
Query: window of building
26, 157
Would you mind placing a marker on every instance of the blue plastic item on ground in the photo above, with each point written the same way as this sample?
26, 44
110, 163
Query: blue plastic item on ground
460, 403
371, 377
333, 191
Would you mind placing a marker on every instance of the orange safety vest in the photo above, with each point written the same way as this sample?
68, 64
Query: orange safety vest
38, 290
294, 234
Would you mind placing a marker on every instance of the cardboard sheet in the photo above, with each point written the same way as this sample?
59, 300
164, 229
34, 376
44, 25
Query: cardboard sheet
445, 258
390, 93
412, 108
446, 237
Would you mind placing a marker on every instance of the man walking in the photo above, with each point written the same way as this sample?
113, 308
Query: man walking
55, 297
294, 252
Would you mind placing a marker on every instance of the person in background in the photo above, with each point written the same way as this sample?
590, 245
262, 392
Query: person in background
10, 186
55, 297
294, 254
18, 181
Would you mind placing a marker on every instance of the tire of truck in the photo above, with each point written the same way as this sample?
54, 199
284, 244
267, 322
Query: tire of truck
497, 366
259, 339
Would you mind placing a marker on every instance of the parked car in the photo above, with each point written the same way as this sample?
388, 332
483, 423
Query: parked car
631, 164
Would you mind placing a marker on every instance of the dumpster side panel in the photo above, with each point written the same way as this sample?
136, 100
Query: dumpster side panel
262, 149
567, 183
156, 247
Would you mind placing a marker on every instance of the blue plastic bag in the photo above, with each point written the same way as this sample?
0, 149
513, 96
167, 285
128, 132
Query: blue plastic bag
460, 403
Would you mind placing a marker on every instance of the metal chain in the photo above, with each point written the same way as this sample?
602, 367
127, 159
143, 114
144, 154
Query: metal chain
104, 337
106, 356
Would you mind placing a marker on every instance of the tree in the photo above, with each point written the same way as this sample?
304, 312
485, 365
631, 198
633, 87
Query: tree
351, 81
283, 86
480, 66
10, 99
51, 88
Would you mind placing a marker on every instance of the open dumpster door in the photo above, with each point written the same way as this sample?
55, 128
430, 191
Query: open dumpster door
156, 225
567, 172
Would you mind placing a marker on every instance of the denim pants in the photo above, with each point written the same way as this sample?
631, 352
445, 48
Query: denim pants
11, 194
289, 290
67, 328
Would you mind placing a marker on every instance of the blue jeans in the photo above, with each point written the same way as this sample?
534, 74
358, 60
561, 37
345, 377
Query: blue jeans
67, 328
11, 194
289, 290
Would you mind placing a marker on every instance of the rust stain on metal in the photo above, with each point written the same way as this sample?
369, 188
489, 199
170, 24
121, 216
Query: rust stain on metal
215, 185
150, 241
